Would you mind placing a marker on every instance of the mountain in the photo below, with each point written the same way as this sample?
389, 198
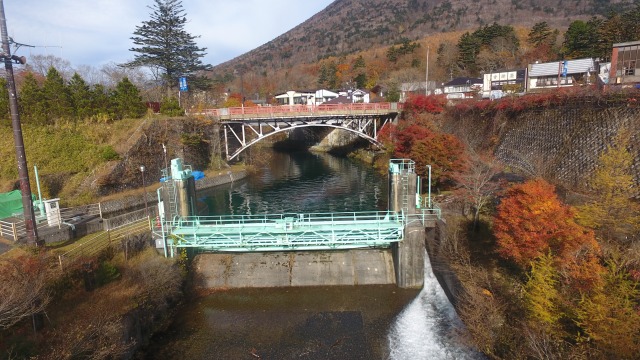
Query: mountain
348, 26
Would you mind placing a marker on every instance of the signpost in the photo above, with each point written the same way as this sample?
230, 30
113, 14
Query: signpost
182, 81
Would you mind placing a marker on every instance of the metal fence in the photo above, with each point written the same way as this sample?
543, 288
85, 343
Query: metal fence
124, 219
93, 244
67, 214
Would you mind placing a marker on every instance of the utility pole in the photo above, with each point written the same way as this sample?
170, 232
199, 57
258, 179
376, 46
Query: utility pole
426, 85
23, 171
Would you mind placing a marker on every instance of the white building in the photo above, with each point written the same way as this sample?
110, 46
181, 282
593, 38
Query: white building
559, 73
462, 88
302, 97
493, 84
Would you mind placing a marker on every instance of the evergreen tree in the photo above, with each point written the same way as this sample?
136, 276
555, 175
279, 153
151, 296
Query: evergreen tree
360, 71
468, 49
100, 102
164, 45
581, 39
81, 97
31, 101
540, 34
322, 75
126, 100
56, 96
4, 101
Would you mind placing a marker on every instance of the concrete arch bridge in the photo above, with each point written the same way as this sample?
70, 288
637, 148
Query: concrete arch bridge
245, 126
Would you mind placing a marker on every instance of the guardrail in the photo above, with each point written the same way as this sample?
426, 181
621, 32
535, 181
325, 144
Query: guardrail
266, 111
298, 218
94, 244
67, 214
424, 216
124, 219
11, 230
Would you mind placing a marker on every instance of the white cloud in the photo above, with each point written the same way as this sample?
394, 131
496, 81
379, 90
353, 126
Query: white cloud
98, 31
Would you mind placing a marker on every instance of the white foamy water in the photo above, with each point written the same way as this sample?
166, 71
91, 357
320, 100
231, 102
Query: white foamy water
428, 328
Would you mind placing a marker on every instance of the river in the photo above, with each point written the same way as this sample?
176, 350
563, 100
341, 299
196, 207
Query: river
359, 322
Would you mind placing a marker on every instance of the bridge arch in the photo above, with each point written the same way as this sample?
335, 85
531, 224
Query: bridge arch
261, 137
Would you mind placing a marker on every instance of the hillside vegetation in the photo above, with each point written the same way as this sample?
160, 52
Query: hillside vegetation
545, 273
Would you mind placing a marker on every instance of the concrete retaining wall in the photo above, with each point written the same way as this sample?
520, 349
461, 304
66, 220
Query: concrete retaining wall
283, 269
122, 205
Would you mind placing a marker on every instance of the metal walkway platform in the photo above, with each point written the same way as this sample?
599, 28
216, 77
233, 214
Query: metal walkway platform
313, 231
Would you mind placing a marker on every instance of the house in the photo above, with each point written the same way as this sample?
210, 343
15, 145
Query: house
323, 95
462, 88
416, 88
495, 84
294, 97
305, 97
355, 96
625, 64
559, 73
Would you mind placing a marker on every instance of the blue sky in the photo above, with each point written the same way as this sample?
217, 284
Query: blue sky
97, 32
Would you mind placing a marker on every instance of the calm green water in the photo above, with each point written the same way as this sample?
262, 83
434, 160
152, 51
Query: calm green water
301, 182
357, 322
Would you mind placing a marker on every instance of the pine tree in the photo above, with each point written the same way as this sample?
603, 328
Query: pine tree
165, 46
31, 101
126, 100
100, 103
56, 96
4, 101
81, 97
540, 34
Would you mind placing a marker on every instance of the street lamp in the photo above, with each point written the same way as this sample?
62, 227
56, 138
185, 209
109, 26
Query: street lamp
146, 210
166, 165
429, 196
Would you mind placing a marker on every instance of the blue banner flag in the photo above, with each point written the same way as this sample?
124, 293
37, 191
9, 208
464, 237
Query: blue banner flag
183, 84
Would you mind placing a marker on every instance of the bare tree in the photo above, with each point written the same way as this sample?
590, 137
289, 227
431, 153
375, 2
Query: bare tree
477, 185
40, 64
23, 288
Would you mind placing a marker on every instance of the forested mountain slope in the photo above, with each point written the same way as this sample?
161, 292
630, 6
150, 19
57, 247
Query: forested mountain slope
348, 26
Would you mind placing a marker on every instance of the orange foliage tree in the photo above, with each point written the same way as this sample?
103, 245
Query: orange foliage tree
426, 146
531, 222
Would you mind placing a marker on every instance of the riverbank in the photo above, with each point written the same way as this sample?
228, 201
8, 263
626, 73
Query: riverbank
125, 202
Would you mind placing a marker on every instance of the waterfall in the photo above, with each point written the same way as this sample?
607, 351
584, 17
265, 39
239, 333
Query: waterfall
428, 327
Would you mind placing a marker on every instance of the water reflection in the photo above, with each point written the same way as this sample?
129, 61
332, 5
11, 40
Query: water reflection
301, 182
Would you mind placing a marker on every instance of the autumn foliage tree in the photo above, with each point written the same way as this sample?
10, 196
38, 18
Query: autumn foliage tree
417, 104
416, 137
612, 212
532, 222
426, 146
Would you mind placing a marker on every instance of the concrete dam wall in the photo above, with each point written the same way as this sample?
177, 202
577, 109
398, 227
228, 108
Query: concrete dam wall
283, 269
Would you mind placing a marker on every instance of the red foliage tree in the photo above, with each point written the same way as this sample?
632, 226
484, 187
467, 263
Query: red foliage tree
417, 104
531, 222
425, 146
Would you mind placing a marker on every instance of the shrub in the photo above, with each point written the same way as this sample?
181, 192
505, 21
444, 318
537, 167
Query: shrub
171, 107
107, 153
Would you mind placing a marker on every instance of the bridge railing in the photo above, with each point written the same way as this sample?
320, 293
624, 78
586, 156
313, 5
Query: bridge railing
424, 216
267, 111
298, 219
